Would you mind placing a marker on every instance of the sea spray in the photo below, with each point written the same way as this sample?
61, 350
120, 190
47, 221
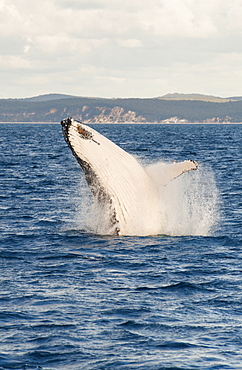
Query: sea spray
190, 204
187, 205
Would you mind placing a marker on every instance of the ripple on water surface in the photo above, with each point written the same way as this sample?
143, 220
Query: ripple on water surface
75, 300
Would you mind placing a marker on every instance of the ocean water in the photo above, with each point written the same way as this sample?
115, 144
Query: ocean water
73, 299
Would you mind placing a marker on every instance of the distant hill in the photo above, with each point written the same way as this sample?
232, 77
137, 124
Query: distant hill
236, 98
49, 97
200, 97
55, 107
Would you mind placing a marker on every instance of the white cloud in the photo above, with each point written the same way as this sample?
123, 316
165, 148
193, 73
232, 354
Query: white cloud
110, 47
130, 43
8, 62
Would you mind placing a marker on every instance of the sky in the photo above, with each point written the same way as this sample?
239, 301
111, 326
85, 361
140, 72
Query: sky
120, 48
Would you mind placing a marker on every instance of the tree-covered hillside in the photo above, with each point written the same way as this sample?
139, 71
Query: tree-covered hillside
117, 110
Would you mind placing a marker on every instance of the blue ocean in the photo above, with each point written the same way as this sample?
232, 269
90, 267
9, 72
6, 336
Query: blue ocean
71, 298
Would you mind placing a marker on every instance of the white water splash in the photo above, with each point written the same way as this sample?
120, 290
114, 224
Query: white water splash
188, 205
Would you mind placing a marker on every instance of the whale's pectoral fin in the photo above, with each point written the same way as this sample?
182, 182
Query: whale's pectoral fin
162, 173
178, 168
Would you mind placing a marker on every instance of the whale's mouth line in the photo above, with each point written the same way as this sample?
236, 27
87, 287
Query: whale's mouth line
66, 123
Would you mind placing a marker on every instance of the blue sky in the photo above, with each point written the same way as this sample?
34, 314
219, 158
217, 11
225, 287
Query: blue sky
120, 48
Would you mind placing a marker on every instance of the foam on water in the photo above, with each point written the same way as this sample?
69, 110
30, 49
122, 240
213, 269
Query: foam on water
188, 205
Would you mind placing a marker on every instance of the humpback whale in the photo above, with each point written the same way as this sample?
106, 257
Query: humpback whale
119, 182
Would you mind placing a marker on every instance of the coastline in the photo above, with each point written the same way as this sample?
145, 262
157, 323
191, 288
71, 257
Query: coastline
127, 123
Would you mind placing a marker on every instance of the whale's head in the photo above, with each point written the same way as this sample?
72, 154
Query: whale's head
82, 139
83, 131
92, 151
